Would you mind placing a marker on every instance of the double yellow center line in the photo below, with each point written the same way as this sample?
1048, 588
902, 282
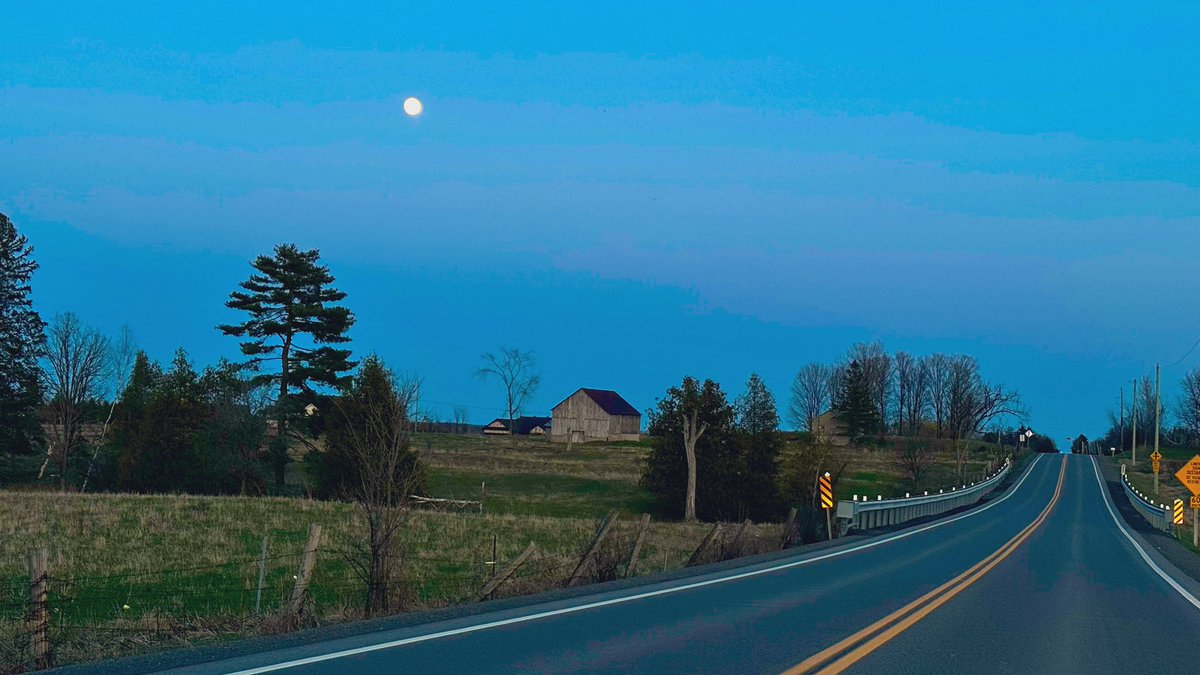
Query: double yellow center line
846, 653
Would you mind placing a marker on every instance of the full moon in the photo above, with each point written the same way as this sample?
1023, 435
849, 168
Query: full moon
412, 106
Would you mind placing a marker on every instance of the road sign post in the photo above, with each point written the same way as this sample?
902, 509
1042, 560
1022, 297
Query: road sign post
1156, 464
1195, 530
1189, 475
827, 502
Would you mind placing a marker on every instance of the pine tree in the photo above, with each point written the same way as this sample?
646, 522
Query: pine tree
293, 321
855, 404
22, 338
758, 428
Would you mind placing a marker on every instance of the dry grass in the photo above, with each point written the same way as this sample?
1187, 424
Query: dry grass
159, 571
496, 455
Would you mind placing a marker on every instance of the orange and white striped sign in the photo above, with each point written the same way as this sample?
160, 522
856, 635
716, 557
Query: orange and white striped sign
826, 492
1178, 512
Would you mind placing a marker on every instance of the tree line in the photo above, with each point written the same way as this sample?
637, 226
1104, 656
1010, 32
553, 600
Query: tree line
103, 415
713, 459
1179, 416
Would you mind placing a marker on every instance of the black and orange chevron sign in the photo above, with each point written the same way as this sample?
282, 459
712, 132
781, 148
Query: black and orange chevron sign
826, 492
1178, 515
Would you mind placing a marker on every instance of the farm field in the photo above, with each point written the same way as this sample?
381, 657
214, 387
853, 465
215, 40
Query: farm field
176, 569
157, 571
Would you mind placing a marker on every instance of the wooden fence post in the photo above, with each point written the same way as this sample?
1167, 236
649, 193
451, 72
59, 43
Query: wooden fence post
307, 561
632, 563
735, 548
696, 555
585, 561
789, 528
262, 573
495, 581
38, 611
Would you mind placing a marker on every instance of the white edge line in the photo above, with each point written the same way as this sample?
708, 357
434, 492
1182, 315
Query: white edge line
630, 598
1141, 551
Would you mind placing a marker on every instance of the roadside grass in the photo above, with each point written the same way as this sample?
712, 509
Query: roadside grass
175, 569
1141, 477
875, 472
151, 571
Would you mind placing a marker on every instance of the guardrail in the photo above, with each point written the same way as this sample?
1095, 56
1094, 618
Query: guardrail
866, 514
1158, 515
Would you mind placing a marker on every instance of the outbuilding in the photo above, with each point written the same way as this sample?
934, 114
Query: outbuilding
595, 415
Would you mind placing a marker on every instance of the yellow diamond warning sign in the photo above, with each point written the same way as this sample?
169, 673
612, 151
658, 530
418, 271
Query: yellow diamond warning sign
1189, 475
1156, 455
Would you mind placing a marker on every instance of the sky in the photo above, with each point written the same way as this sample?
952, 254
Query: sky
632, 191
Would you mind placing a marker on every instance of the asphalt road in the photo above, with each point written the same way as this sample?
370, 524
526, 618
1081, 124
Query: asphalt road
1053, 584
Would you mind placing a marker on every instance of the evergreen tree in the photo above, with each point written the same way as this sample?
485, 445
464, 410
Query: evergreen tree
718, 470
227, 449
22, 339
758, 428
294, 322
855, 404
158, 455
368, 429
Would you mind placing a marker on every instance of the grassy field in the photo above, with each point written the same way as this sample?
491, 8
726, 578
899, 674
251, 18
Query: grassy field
132, 572
180, 567
536, 477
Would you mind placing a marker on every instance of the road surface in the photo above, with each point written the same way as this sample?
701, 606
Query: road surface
1040, 579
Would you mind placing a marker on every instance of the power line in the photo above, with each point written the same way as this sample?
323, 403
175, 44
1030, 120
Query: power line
1181, 359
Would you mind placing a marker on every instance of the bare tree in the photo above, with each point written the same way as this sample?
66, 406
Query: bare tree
515, 370
812, 395
72, 373
461, 419
1187, 407
916, 401
1145, 407
914, 456
122, 355
691, 434
973, 403
906, 368
938, 366
373, 426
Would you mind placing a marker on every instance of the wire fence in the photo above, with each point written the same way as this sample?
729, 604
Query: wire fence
96, 616
100, 616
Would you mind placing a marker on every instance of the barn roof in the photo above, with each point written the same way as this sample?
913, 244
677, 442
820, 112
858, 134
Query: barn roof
523, 424
609, 401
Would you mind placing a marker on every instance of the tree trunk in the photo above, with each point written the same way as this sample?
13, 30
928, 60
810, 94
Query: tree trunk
279, 456
690, 435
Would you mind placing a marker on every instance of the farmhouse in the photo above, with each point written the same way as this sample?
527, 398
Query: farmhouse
595, 415
524, 426
829, 427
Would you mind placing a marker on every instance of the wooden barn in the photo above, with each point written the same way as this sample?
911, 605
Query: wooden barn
595, 415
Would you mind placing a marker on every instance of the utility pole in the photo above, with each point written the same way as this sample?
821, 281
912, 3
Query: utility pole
1122, 420
1133, 416
1157, 422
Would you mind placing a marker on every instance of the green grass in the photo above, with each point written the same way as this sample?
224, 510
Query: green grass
185, 566
521, 494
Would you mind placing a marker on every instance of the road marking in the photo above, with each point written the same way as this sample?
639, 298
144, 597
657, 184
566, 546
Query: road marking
629, 598
867, 640
1141, 551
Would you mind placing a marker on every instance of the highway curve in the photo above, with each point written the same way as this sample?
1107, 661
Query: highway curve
1040, 579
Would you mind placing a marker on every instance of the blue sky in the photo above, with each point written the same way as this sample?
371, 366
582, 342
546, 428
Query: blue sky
687, 188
